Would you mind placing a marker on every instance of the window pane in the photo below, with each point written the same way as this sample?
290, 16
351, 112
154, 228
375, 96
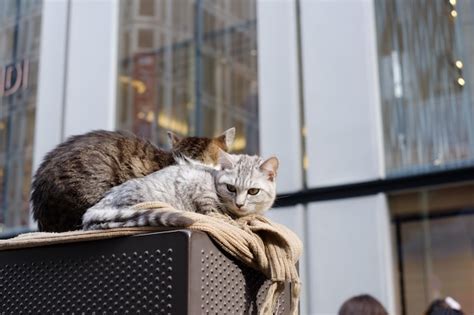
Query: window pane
434, 233
194, 71
145, 39
20, 24
147, 7
426, 55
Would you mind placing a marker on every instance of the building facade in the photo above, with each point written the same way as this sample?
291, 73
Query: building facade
367, 104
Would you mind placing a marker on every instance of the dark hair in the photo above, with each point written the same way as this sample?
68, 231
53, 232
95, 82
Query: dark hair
440, 307
362, 305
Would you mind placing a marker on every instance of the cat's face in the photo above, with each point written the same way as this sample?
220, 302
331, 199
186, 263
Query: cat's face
205, 150
246, 184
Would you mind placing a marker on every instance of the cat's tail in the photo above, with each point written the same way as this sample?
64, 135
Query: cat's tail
108, 218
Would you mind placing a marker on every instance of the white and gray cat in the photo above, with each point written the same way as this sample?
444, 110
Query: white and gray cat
237, 186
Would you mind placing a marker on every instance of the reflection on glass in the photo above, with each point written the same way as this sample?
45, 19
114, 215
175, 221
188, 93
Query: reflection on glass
189, 66
426, 61
434, 233
20, 24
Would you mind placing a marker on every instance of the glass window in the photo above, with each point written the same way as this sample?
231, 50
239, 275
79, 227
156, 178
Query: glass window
145, 39
147, 7
194, 71
426, 57
20, 24
434, 237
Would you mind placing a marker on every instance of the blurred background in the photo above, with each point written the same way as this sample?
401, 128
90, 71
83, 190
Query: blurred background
367, 104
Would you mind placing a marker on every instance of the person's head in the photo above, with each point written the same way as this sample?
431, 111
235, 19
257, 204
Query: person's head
447, 306
362, 305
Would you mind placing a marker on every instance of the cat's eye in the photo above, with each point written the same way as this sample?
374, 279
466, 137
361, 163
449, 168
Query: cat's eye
231, 188
253, 191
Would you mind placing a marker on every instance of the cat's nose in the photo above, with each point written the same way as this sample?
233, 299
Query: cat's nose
239, 205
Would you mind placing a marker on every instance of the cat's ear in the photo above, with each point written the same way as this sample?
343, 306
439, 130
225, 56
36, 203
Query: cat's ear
225, 160
227, 137
173, 138
270, 167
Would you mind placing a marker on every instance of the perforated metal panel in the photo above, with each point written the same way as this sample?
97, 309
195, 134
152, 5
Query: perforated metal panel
174, 272
229, 287
137, 282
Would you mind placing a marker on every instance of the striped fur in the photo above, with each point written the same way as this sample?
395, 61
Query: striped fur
78, 173
97, 219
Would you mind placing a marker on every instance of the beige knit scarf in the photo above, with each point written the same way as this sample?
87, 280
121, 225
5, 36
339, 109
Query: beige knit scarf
259, 243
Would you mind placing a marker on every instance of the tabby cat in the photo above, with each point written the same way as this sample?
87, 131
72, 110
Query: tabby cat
239, 185
77, 174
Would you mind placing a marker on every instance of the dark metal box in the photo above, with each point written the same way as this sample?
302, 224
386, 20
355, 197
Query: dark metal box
171, 272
